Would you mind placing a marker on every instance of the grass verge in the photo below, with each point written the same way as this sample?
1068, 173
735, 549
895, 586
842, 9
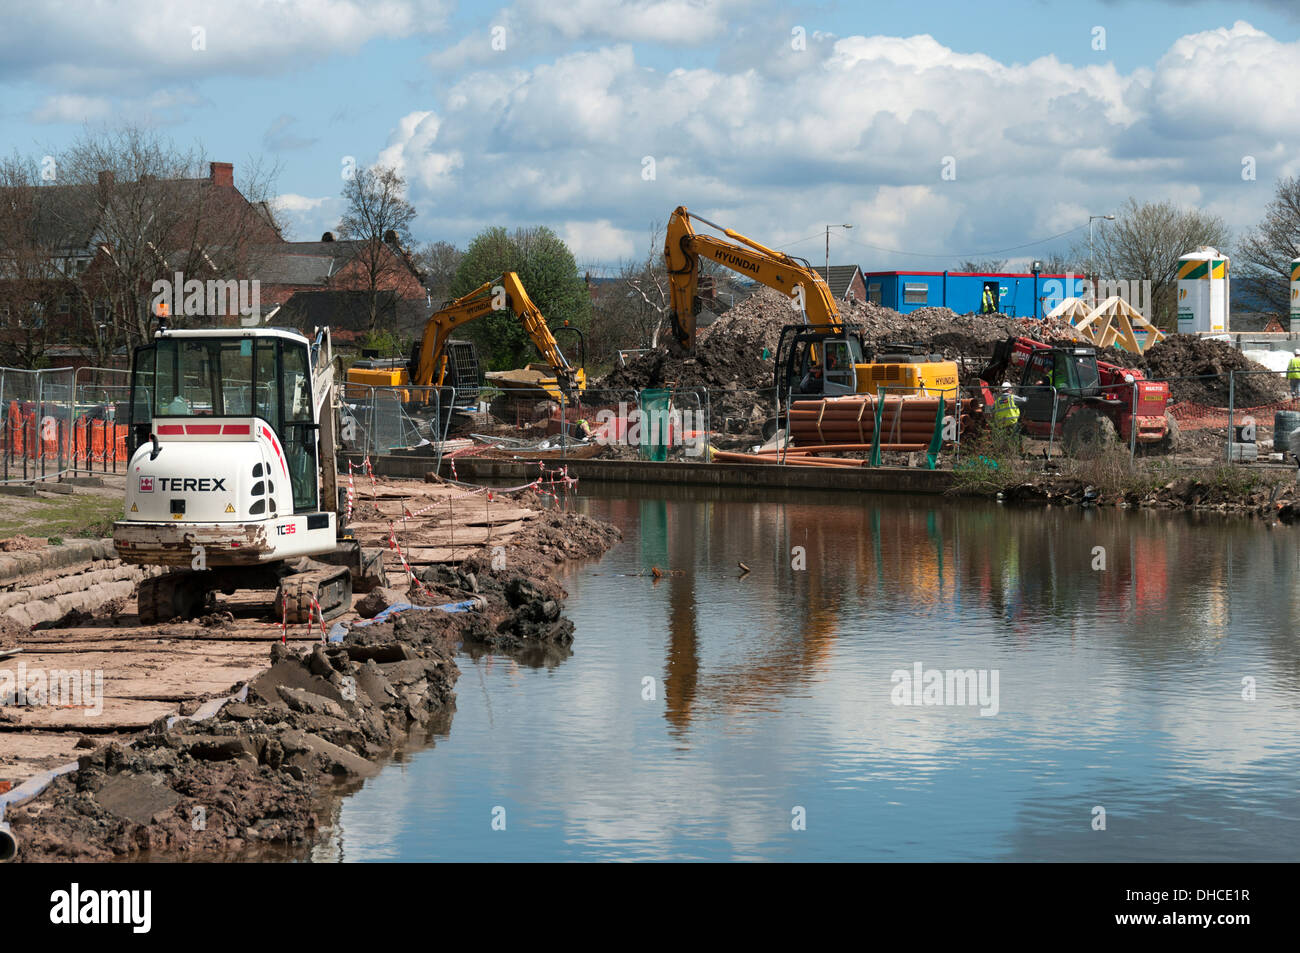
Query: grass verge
88, 516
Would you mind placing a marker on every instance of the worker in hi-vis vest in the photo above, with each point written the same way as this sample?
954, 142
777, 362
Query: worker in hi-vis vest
1006, 415
986, 303
1293, 373
1060, 373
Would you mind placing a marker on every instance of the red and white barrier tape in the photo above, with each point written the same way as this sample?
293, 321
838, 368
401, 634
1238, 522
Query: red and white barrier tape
393, 544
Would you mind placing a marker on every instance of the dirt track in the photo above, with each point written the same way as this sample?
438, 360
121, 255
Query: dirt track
261, 769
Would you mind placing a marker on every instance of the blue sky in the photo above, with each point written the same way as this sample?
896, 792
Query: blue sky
1041, 128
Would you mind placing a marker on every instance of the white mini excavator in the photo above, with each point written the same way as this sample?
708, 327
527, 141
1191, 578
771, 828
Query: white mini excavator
232, 482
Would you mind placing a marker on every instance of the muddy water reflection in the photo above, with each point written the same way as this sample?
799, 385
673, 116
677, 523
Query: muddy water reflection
699, 711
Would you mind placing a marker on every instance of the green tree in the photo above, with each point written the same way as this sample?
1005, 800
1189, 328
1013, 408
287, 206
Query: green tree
548, 272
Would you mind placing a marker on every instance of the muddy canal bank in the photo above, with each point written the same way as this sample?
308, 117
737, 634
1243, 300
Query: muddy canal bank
262, 767
1271, 494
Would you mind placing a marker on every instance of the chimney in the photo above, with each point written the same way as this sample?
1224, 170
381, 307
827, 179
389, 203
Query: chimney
222, 173
106, 179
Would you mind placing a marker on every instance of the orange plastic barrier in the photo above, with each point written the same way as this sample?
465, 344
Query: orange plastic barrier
86, 441
1192, 416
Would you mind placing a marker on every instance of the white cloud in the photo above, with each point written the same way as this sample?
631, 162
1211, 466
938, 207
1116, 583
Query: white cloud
1230, 80
290, 202
598, 241
131, 43
306, 217
680, 22
70, 107
857, 130
158, 107
532, 27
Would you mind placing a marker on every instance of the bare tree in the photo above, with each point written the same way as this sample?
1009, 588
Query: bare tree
1058, 263
156, 210
1265, 254
379, 217
1144, 244
37, 281
439, 261
983, 266
646, 291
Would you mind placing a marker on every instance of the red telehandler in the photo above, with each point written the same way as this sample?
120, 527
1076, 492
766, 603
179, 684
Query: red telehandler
1095, 402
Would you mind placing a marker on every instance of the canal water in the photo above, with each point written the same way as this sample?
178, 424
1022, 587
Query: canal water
895, 678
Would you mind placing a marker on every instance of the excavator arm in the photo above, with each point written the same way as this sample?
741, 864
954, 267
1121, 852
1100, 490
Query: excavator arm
683, 249
429, 367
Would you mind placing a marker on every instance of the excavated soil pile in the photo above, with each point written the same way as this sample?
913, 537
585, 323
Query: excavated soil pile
253, 773
1185, 356
20, 543
258, 772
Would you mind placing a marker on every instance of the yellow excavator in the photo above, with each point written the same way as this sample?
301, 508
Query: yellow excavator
822, 356
428, 365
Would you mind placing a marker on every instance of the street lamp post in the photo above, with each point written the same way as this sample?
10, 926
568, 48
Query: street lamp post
828, 250
1092, 256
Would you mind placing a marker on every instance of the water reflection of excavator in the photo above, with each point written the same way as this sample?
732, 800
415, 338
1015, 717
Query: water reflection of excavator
822, 356
429, 364
797, 654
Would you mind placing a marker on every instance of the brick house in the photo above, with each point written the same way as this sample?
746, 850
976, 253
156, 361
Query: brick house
327, 282
56, 253
56, 265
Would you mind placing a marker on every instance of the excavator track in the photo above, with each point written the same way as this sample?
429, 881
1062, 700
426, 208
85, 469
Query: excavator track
169, 596
330, 588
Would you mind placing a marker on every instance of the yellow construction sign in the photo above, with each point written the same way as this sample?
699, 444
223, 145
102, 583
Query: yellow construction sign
1113, 322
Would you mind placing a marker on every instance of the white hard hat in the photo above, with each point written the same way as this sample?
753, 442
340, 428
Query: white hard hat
1006, 385
1297, 350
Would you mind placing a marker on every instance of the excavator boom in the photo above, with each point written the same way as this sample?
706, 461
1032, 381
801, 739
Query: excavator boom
683, 249
504, 293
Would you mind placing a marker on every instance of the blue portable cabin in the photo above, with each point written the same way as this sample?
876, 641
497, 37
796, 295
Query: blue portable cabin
1019, 295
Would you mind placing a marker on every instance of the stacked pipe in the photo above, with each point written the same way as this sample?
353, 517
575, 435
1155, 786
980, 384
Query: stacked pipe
845, 424
848, 424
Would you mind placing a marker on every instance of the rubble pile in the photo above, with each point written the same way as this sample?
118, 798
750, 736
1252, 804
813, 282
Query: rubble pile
954, 335
729, 352
1183, 356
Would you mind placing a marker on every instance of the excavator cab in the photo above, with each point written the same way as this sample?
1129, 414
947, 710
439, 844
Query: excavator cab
818, 360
